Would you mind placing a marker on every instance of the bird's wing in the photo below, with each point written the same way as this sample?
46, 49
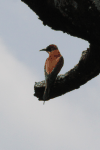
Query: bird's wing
50, 78
59, 65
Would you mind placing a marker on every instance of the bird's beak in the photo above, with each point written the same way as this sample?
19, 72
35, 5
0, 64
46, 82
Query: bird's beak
42, 50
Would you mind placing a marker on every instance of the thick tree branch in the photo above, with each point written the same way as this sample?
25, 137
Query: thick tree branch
87, 68
80, 18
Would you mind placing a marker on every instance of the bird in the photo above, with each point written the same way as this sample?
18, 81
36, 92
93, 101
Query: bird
52, 67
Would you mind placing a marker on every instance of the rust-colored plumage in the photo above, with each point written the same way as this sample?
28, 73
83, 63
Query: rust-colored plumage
52, 67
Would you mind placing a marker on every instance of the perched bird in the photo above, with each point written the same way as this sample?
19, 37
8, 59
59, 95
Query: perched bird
52, 67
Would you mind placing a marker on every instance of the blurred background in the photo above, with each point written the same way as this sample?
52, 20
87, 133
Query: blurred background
71, 121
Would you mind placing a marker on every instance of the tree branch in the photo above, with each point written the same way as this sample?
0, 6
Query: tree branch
87, 68
80, 18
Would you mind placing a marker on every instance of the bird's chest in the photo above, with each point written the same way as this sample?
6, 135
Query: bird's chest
51, 64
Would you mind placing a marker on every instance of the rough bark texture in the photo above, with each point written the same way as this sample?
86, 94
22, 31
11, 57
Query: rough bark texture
80, 18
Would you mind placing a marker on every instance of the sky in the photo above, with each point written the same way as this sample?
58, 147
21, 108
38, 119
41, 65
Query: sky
68, 122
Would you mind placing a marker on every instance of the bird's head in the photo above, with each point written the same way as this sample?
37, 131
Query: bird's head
50, 48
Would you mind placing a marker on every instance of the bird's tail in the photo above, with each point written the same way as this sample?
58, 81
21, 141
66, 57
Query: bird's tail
48, 88
46, 94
